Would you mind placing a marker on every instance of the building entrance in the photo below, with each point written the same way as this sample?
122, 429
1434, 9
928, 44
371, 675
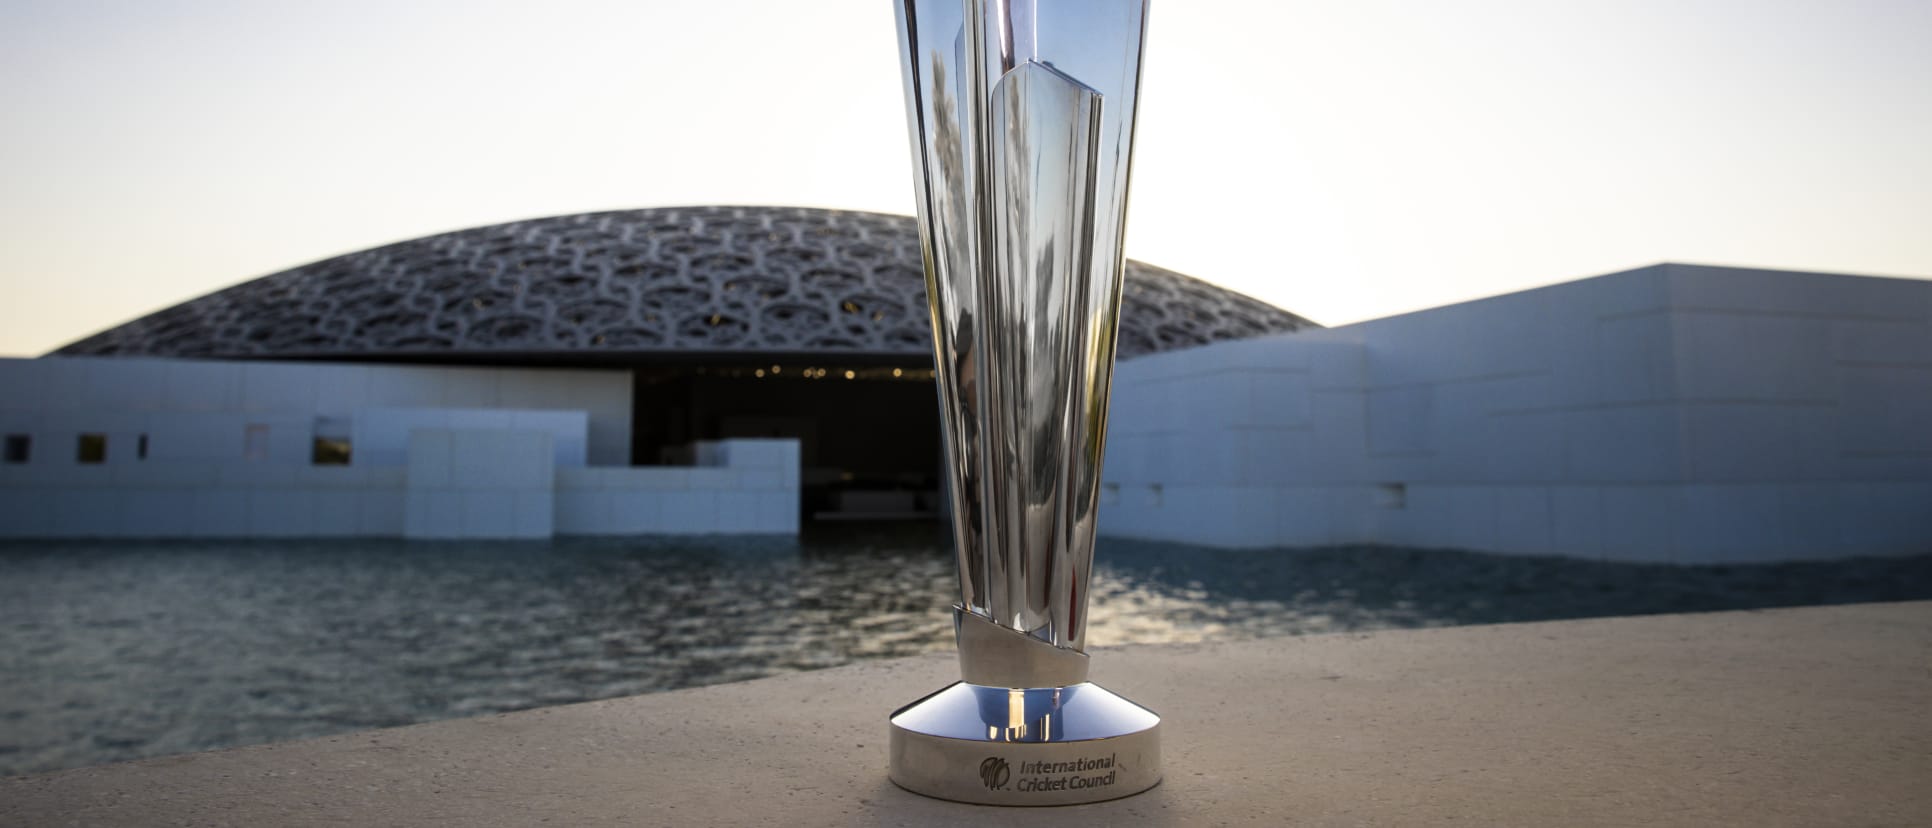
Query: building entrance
869, 444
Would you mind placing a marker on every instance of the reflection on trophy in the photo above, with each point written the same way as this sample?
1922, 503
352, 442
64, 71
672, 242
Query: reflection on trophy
1022, 125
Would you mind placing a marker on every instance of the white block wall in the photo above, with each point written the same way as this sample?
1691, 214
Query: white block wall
437, 453
747, 486
196, 410
1673, 413
479, 483
205, 500
468, 484
382, 436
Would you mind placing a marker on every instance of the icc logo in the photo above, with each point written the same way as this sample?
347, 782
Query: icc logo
993, 772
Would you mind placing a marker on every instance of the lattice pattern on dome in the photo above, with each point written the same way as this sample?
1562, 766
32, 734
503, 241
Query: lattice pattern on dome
682, 279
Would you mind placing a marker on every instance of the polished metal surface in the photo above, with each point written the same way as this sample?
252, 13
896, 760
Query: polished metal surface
1022, 122
996, 656
1021, 116
1046, 746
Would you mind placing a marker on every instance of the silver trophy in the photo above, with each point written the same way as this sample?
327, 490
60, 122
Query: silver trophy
1022, 126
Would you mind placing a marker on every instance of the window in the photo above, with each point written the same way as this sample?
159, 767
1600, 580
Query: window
331, 442
20, 448
255, 442
330, 451
92, 449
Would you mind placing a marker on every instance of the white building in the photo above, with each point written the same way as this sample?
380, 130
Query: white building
106, 447
733, 369
619, 372
1673, 413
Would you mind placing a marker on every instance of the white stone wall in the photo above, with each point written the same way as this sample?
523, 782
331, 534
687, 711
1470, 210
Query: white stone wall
437, 453
1673, 413
746, 486
195, 410
204, 500
479, 483
465, 484
383, 436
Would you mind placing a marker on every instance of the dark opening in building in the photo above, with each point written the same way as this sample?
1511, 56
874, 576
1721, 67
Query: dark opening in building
868, 431
331, 446
330, 452
92, 448
20, 448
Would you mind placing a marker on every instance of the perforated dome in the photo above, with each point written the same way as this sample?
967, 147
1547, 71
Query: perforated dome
698, 281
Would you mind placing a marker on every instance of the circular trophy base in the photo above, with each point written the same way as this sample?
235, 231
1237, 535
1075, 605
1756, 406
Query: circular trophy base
1039, 746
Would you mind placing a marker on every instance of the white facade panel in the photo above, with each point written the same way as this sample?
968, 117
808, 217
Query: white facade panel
1672, 413
748, 486
435, 452
1789, 358
471, 483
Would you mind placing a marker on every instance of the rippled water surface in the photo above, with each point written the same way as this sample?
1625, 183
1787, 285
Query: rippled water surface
112, 651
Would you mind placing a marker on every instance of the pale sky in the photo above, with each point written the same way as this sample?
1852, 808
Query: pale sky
1344, 160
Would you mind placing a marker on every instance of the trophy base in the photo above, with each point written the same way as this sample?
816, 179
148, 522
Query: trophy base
1038, 746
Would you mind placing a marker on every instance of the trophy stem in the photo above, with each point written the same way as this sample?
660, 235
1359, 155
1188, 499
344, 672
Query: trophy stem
1021, 117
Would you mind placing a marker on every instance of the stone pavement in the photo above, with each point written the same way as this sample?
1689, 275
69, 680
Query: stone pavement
1801, 716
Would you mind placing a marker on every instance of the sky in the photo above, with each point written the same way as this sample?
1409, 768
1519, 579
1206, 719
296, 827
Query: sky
1343, 160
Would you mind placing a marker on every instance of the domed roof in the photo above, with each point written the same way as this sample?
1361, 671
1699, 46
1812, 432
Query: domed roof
670, 281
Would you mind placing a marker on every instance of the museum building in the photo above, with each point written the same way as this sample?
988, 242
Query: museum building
645, 343
744, 369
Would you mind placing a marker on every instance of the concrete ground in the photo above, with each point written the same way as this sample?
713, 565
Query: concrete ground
1801, 716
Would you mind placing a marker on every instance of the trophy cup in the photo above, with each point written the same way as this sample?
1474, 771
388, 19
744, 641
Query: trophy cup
1022, 124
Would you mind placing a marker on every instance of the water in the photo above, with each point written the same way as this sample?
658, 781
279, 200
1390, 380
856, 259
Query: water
121, 650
